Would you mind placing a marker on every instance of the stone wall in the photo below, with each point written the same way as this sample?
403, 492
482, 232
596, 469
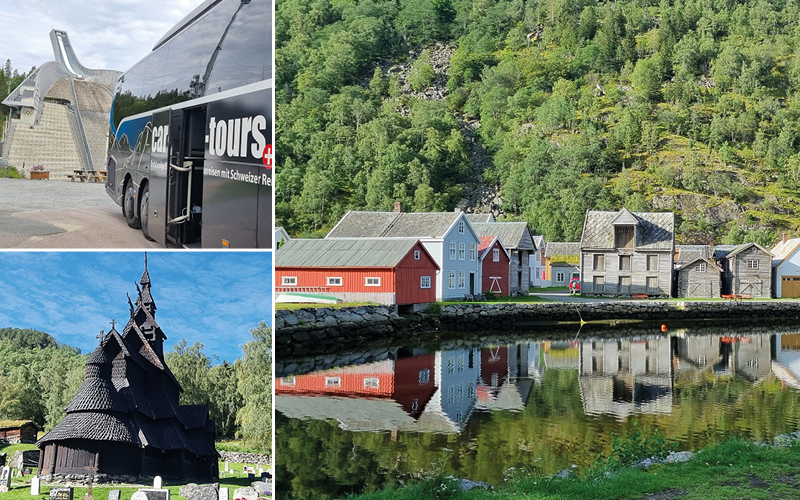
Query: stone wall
305, 332
236, 457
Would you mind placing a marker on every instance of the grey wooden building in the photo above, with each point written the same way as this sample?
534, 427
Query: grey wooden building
626, 253
746, 269
700, 278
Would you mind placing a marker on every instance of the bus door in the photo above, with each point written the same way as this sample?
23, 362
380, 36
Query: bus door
156, 217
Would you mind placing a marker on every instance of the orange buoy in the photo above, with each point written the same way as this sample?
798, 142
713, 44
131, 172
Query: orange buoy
663, 328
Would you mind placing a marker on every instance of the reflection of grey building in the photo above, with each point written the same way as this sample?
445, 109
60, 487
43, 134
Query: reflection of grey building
60, 114
624, 377
748, 356
752, 356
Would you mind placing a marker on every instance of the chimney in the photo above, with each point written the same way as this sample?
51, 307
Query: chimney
784, 236
398, 206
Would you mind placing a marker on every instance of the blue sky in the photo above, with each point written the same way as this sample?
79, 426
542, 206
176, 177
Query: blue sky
215, 298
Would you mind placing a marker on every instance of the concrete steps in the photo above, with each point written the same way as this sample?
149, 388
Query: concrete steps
50, 143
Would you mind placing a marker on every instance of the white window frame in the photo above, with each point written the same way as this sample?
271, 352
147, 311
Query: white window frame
333, 381
462, 251
560, 277
461, 227
424, 281
425, 376
452, 250
700, 267
289, 280
495, 255
451, 279
752, 264
462, 280
372, 383
471, 251
367, 279
334, 280
288, 380
417, 254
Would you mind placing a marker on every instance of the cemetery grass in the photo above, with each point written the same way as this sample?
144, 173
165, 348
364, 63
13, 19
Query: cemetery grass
733, 469
21, 487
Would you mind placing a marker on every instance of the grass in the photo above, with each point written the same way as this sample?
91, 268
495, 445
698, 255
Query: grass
339, 305
734, 469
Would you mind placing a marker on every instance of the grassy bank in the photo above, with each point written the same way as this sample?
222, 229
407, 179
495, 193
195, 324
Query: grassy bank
735, 469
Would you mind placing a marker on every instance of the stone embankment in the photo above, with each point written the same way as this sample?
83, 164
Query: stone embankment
236, 457
305, 332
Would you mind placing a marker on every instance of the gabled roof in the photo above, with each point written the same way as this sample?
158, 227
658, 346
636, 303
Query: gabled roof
346, 252
783, 250
538, 240
394, 224
478, 217
693, 262
515, 235
487, 243
744, 246
722, 251
686, 253
654, 230
562, 248
13, 424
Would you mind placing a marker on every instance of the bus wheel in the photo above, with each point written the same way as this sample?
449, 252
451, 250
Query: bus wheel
144, 211
129, 206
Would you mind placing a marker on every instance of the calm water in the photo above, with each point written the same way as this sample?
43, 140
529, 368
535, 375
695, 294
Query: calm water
476, 408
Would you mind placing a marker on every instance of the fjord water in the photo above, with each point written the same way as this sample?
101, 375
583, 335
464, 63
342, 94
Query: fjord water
487, 409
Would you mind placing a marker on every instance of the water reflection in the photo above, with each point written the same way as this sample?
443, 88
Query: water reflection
539, 404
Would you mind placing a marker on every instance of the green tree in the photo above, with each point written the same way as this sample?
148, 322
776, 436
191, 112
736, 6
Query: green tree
255, 386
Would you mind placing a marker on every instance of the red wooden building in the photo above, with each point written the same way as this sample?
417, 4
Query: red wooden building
383, 270
495, 261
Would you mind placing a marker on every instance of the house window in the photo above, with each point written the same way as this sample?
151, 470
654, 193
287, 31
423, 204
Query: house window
462, 251
335, 281
372, 282
623, 237
333, 381
425, 376
752, 264
460, 363
289, 281
461, 227
496, 255
652, 284
624, 284
700, 267
424, 281
451, 365
599, 262
624, 262
451, 279
461, 280
452, 250
472, 252
599, 284
371, 382
652, 262
559, 277
416, 254
290, 380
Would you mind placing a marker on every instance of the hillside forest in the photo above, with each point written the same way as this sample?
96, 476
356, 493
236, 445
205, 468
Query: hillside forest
540, 110
40, 376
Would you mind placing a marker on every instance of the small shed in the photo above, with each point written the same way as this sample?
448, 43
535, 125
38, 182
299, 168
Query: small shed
747, 270
700, 278
19, 431
494, 266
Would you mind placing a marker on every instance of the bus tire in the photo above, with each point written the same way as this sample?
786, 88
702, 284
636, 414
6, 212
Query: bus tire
129, 206
144, 211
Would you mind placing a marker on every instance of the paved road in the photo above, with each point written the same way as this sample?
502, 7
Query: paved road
564, 296
63, 214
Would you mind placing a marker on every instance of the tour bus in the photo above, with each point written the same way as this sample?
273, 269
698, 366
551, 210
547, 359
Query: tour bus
190, 147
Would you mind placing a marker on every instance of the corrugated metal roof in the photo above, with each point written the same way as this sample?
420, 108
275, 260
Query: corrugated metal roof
394, 225
344, 252
514, 235
654, 230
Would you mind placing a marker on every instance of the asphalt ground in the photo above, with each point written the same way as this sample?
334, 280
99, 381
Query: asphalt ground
59, 214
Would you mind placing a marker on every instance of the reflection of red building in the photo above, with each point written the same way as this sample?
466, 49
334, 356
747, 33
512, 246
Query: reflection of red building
495, 266
494, 371
408, 381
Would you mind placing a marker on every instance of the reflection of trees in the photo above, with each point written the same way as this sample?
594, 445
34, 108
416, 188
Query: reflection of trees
316, 459
127, 104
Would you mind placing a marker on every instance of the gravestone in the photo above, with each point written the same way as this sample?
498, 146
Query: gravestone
227, 464
157, 483
113, 495
5, 480
223, 493
139, 495
35, 485
152, 494
61, 493
251, 476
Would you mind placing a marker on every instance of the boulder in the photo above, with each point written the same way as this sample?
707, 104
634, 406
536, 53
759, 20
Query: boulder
248, 493
194, 491
679, 457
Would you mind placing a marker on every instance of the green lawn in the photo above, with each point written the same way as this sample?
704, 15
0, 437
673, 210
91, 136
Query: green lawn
735, 469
